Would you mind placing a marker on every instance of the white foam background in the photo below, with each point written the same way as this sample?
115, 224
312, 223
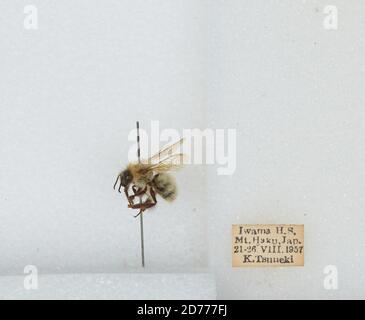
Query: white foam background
71, 93
72, 90
294, 91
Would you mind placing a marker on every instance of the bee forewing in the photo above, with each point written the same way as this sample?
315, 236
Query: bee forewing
173, 162
165, 153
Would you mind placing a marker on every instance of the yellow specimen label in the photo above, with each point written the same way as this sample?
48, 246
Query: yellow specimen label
267, 245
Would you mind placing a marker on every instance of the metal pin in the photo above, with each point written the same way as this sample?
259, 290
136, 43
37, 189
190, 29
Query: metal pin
140, 198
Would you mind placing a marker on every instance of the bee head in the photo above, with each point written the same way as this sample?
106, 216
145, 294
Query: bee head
126, 178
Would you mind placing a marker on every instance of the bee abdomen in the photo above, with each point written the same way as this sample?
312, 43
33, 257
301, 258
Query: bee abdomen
165, 186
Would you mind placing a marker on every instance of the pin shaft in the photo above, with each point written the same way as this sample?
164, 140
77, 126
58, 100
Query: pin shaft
140, 197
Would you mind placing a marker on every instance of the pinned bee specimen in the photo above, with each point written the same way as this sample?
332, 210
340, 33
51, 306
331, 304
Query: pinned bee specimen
149, 178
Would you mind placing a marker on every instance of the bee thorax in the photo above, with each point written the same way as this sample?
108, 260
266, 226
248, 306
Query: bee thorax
141, 176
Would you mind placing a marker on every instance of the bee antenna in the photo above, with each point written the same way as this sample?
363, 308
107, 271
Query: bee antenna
116, 181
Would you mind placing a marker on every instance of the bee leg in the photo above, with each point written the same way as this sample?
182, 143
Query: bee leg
143, 206
149, 204
127, 195
116, 181
134, 188
137, 192
140, 211
153, 195
120, 186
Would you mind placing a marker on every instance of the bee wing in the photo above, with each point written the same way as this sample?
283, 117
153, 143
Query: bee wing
165, 153
173, 162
